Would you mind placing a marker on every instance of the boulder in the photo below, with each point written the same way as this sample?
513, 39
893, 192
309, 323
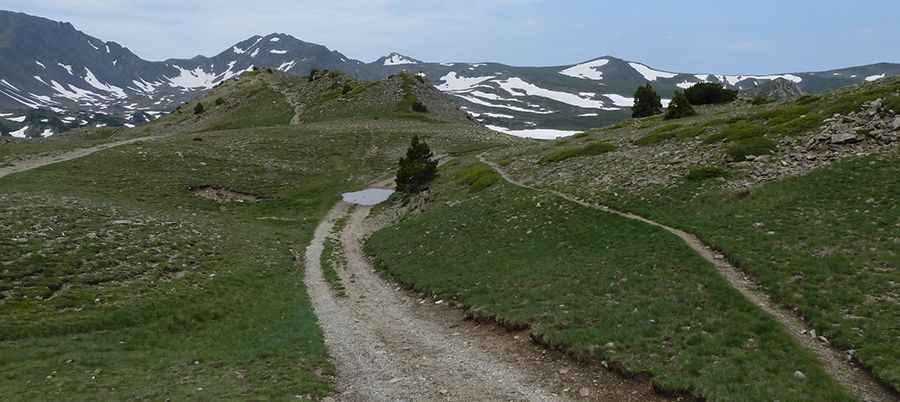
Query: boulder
896, 124
844, 138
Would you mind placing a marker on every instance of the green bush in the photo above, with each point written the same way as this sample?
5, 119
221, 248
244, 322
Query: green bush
419, 107
807, 99
699, 173
593, 148
478, 177
741, 149
709, 93
199, 108
219, 101
646, 102
680, 107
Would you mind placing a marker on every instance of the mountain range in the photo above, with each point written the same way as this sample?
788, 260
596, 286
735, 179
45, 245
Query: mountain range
54, 77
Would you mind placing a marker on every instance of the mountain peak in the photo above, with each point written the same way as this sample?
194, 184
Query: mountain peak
396, 59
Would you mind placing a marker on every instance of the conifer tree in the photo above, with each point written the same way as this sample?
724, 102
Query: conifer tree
646, 102
679, 107
417, 169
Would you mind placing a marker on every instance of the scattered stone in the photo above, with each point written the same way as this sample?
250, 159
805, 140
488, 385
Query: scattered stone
584, 392
799, 375
896, 124
844, 138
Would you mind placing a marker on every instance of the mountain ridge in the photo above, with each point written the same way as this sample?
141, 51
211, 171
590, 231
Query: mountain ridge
86, 81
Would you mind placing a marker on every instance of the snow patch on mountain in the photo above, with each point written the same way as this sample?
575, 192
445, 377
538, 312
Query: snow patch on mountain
276, 51
9, 85
196, 78
453, 82
686, 84
40, 64
287, 66
255, 52
395, 59
19, 119
67, 67
20, 133
477, 101
735, 79
519, 87
872, 78
275, 39
588, 71
624, 101
538, 133
92, 80
649, 73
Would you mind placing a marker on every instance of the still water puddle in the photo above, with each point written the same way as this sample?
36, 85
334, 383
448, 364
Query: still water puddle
368, 197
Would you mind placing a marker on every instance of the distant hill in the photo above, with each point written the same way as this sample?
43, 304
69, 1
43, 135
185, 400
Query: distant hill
77, 80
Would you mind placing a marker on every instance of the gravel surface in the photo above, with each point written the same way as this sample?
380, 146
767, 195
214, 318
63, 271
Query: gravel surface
389, 345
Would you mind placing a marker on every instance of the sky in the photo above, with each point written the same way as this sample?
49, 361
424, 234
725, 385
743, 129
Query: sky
722, 37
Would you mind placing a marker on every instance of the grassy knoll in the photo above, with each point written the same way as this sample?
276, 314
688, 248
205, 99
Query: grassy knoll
599, 286
826, 244
120, 283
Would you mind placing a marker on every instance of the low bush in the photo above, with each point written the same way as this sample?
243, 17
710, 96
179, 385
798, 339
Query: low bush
680, 107
739, 150
199, 108
477, 177
709, 93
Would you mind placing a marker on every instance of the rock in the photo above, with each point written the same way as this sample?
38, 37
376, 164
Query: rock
844, 138
799, 375
584, 392
564, 370
896, 124
876, 104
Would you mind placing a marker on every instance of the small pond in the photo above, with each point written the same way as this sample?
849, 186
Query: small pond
368, 197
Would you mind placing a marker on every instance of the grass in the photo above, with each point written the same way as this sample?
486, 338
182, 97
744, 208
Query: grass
477, 177
258, 107
756, 146
191, 300
333, 257
85, 138
591, 148
599, 286
824, 244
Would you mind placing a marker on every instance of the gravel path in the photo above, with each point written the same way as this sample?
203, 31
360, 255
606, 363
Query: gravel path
391, 346
855, 378
29, 164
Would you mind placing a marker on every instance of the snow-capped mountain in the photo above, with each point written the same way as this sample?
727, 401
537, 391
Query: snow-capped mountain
54, 77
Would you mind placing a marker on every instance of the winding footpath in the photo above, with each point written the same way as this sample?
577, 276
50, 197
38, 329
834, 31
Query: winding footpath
29, 164
388, 345
855, 378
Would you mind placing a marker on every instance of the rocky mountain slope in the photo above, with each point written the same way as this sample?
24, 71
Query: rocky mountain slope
77, 80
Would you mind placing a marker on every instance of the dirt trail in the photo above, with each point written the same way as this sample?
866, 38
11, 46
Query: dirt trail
29, 164
855, 378
389, 346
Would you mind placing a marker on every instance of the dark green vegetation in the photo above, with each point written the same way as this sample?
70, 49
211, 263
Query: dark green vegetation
417, 169
646, 102
599, 286
476, 177
825, 244
125, 284
709, 93
680, 107
591, 148
333, 258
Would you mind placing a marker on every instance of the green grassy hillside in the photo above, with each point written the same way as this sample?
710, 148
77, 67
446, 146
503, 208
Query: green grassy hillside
122, 283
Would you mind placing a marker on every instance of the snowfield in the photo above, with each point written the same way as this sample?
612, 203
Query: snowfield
588, 71
477, 101
649, 73
875, 77
278, 51
519, 87
20, 133
537, 133
456, 83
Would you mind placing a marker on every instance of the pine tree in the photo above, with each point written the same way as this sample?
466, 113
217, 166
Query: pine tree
199, 108
417, 169
680, 107
646, 102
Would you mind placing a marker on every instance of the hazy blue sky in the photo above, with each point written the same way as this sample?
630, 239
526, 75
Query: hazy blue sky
691, 36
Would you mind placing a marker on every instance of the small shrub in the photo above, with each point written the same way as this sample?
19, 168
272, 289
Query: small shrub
199, 109
646, 102
477, 177
741, 149
593, 148
700, 173
680, 107
738, 130
709, 93
219, 101
419, 107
